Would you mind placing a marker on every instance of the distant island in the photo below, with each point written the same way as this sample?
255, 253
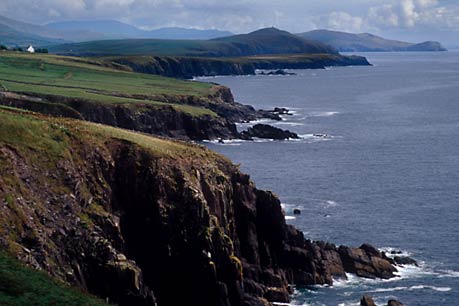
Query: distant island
365, 42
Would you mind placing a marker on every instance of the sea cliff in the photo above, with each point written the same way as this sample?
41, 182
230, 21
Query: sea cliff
141, 220
189, 67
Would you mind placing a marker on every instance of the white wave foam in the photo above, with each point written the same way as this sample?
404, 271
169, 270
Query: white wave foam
330, 203
289, 123
417, 287
230, 142
392, 252
316, 137
348, 304
449, 273
411, 271
322, 114
290, 218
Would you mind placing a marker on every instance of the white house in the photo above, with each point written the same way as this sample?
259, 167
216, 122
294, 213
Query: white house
31, 49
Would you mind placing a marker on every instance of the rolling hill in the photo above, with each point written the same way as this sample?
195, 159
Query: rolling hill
348, 42
264, 41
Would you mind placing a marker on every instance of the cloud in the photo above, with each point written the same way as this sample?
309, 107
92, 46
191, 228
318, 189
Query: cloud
379, 16
409, 13
343, 21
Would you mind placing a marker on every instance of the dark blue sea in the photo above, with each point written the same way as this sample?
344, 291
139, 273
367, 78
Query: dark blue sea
386, 174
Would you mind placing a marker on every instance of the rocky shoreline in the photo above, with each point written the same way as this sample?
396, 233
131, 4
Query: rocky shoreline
162, 120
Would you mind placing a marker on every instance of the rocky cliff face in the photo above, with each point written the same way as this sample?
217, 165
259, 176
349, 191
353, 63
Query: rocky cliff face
144, 221
164, 120
189, 67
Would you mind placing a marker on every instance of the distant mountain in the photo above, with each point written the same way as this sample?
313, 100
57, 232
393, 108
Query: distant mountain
45, 33
12, 38
17, 33
105, 28
111, 29
275, 41
30, 29
348, 42
264, 41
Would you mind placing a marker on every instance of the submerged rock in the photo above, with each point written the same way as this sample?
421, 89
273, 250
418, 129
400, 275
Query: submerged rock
394, 303
404, 260
267, 132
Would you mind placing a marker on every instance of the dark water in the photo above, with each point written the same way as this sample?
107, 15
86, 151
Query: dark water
388, 174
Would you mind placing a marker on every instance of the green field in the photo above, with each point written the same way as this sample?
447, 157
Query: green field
93, 81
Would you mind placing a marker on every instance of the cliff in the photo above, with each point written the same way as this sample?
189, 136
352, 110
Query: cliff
189, 67
162, 120
139, 220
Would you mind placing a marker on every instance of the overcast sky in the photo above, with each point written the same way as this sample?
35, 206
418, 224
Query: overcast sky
413, 20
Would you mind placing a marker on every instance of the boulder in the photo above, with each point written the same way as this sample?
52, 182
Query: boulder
267, 132
367, 301
296, 211
394, 303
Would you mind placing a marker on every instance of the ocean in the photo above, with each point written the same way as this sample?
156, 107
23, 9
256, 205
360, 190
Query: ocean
387, 173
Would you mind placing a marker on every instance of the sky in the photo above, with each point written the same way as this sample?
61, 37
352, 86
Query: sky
411, 20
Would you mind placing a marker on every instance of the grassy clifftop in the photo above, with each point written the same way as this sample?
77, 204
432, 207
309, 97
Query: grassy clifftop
91, 80
109, 93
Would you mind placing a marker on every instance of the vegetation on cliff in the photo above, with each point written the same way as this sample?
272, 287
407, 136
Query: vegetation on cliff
21, 285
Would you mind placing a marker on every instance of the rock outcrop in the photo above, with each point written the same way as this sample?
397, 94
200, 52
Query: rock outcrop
267, 132
394, 303
367, 301
144, 221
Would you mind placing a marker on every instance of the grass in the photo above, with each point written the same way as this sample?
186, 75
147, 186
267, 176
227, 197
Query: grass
52, 136
22, 130
94, 81
20, 285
